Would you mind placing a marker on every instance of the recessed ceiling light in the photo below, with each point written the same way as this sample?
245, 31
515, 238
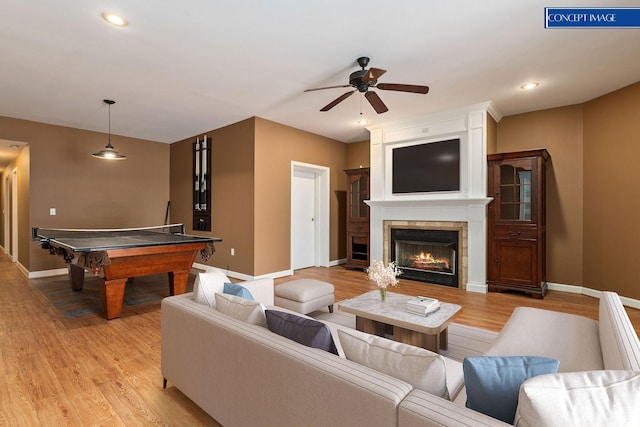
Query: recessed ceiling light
114, 19
363, 122
529, 86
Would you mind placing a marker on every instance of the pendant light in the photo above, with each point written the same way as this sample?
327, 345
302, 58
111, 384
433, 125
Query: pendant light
109, 153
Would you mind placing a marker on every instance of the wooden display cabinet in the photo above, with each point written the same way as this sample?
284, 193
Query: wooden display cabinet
516, 227
357, 218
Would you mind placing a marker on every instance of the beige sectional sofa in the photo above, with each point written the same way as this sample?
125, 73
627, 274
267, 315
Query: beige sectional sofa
243, 374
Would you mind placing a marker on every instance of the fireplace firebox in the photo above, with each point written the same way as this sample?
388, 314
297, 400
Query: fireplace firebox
426, 255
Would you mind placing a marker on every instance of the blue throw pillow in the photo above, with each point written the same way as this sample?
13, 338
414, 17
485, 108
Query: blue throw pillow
305, 331
493, 382
237, 290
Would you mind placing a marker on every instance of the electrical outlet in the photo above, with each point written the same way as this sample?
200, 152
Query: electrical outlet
233, 252
52, 211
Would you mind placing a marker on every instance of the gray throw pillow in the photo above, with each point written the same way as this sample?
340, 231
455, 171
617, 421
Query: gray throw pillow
307, 332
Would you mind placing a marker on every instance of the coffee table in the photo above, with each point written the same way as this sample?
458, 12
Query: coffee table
391, 319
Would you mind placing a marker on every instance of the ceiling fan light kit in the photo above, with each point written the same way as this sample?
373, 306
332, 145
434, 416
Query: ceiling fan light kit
363, 80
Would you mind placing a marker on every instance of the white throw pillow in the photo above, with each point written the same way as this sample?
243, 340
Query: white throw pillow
588, 398
423, 369
207, 284
241, 309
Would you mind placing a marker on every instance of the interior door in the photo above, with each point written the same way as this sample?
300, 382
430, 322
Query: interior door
303, 219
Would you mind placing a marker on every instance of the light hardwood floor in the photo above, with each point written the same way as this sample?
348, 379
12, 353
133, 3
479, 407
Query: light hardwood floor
57, 371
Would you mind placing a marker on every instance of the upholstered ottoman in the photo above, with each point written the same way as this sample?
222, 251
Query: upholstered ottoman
304, 295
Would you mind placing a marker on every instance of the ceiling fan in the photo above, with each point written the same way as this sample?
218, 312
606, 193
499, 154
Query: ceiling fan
363, 80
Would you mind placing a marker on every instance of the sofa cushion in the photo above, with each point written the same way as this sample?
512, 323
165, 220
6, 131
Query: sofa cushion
237, 290
302, 330
423, 369
537, 332
241, 308
492, 383
591, 398
207, 284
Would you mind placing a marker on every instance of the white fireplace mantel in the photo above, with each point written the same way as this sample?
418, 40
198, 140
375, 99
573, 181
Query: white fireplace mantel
430, 202
467, 205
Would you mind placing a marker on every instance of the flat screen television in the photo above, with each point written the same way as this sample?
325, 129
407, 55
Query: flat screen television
424, 168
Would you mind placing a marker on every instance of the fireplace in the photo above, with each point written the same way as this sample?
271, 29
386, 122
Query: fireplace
426, 255
428, 251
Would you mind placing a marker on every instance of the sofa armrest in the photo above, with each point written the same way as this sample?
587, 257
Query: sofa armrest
421, 409
620, 345
261, 289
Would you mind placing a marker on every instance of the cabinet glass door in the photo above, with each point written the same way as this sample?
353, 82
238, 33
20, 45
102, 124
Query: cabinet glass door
515, 192
359, 193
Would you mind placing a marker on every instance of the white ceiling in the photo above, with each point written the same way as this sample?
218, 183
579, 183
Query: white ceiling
181, 68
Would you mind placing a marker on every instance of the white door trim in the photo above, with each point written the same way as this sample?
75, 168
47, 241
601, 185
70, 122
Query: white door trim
7, 214
14, 215
322, 181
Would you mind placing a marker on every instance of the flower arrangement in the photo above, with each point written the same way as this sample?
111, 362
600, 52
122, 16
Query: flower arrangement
384, 276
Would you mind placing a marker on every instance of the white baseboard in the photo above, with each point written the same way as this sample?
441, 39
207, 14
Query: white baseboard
477, 287
22, 269
471, 287
236, 275
46, 273
337, 262
626, 301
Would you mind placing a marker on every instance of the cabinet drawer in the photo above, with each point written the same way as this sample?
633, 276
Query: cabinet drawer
515, 233
358, 227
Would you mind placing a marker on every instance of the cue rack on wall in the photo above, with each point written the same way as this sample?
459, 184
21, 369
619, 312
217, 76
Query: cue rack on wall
202, 184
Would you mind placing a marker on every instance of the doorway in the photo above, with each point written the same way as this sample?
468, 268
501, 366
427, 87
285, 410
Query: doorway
11, 215
309, 215
7, 215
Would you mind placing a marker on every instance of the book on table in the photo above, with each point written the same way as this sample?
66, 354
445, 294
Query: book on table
422, 305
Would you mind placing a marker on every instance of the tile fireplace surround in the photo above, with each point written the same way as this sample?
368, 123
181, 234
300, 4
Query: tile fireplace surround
464, 210
460, 227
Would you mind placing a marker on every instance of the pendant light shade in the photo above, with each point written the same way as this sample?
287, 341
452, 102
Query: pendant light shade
109, 153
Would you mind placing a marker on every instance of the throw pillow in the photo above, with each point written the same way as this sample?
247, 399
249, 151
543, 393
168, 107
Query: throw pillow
595, 398
305, 331
207, 284
241, 308
423, 369
237, 290
493, 382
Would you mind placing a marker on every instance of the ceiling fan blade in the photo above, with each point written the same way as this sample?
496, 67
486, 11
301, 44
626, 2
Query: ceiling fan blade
376, 102
403, 88
373, 74
326, 87
337, 101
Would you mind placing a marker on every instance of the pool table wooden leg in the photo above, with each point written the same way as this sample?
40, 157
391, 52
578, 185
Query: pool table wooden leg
76, 277
112, 293
178, 282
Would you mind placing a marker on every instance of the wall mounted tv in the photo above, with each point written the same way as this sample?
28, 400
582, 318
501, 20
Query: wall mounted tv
425, 168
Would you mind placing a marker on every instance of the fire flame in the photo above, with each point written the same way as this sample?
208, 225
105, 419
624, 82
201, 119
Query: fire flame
427, 259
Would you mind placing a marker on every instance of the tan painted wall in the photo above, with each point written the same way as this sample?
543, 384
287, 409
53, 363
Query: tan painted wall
612, 189
276, 147
559, 130
359, 155
86, 192
251, 192
232, 193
